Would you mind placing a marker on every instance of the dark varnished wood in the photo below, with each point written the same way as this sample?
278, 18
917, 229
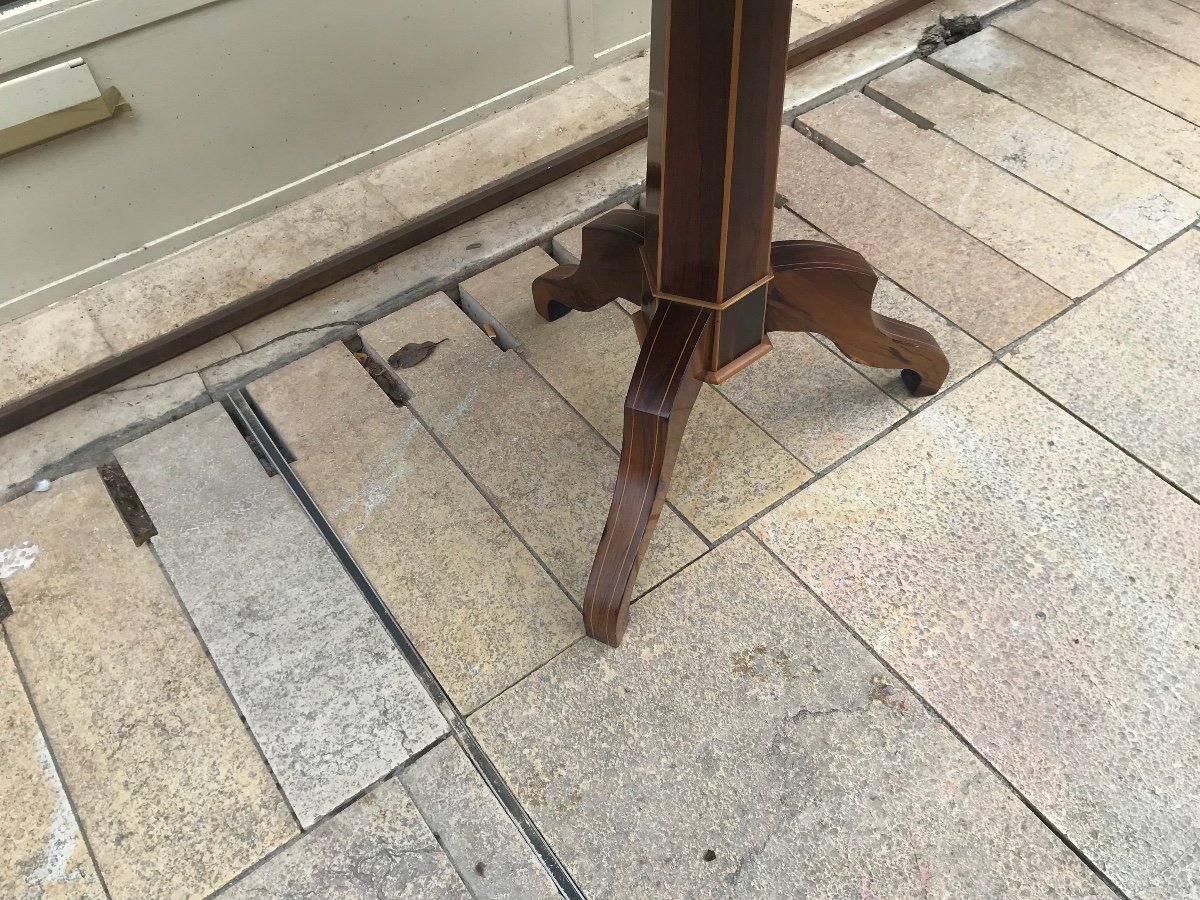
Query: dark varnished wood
610, 267
660, 397
826, 289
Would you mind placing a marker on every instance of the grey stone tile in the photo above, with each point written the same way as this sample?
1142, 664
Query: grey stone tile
743, 744
1113, 191
474, 830
1124, 361
966, 354
164, 776
628, 81
332, 702
975, 287
1162, 22
481, 610
1034, 584
1101, 112
549, 474
85, 433
44, 347
377, 848
43, 850
187, 363
241, 370
1037, 232
1110, 52
728, 469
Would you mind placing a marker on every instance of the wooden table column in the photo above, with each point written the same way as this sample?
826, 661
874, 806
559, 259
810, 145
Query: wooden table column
699, 260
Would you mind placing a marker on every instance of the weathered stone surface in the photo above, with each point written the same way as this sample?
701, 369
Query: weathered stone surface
46, 346
548, 473
474, 830
332, 702
42, 853
802, 23
1110, 52
167, 294
985, 294
728, 469
1113, 191
445, 170
188, 363
377, 848
1040, 234
965, 353
1162, 22
1138, 337
239, 371
174, 795
480, 609
1129, 126
743, 744
85, 433
628, 81
1035, 585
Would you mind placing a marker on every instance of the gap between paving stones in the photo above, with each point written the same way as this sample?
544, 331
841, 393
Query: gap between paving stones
457, 724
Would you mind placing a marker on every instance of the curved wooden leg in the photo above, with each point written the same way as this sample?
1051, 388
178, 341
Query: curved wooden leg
825, 289
660, 397
610, 267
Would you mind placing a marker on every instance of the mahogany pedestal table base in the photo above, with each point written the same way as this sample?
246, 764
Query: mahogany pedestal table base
816, 287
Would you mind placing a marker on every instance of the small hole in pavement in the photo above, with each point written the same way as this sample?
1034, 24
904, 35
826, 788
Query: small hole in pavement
710, 855
479, 868
474, 246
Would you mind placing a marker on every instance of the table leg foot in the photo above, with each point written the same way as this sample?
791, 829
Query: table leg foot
610, 267
826, 289
660, 398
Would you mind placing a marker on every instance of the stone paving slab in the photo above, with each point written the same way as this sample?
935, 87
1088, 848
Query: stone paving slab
377, 848
1143, 133
543, 466
1112, 53
473, 829
1113, 191
480, 609
45, 347
966, 354
989, 297
728, 468
1162, 22
165, 778
332, 702
1036, 586
719, 754
42, 852
1037, 232
1124, 361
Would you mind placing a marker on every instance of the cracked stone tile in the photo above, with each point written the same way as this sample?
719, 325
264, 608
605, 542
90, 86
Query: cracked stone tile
481, 610
45, 347
1143, 133
332, 702
1124, 361
1113, 191
965, 354
549, 474
85, 433
377, 847
1169, 25
989, 297
279, 351
728, 469
738, 699
1110, 52
1037, 232
43, 853
1035, 585
473, 829
173, 793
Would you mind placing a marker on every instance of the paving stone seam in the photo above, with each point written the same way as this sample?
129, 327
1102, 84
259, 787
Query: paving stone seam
62, 782
917, 119
1120, 27
937, 716
812, 134
187, 616
1082, 421
1000, 25
457, 724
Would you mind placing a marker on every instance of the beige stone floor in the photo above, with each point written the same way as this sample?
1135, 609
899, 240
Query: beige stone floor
883, 648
